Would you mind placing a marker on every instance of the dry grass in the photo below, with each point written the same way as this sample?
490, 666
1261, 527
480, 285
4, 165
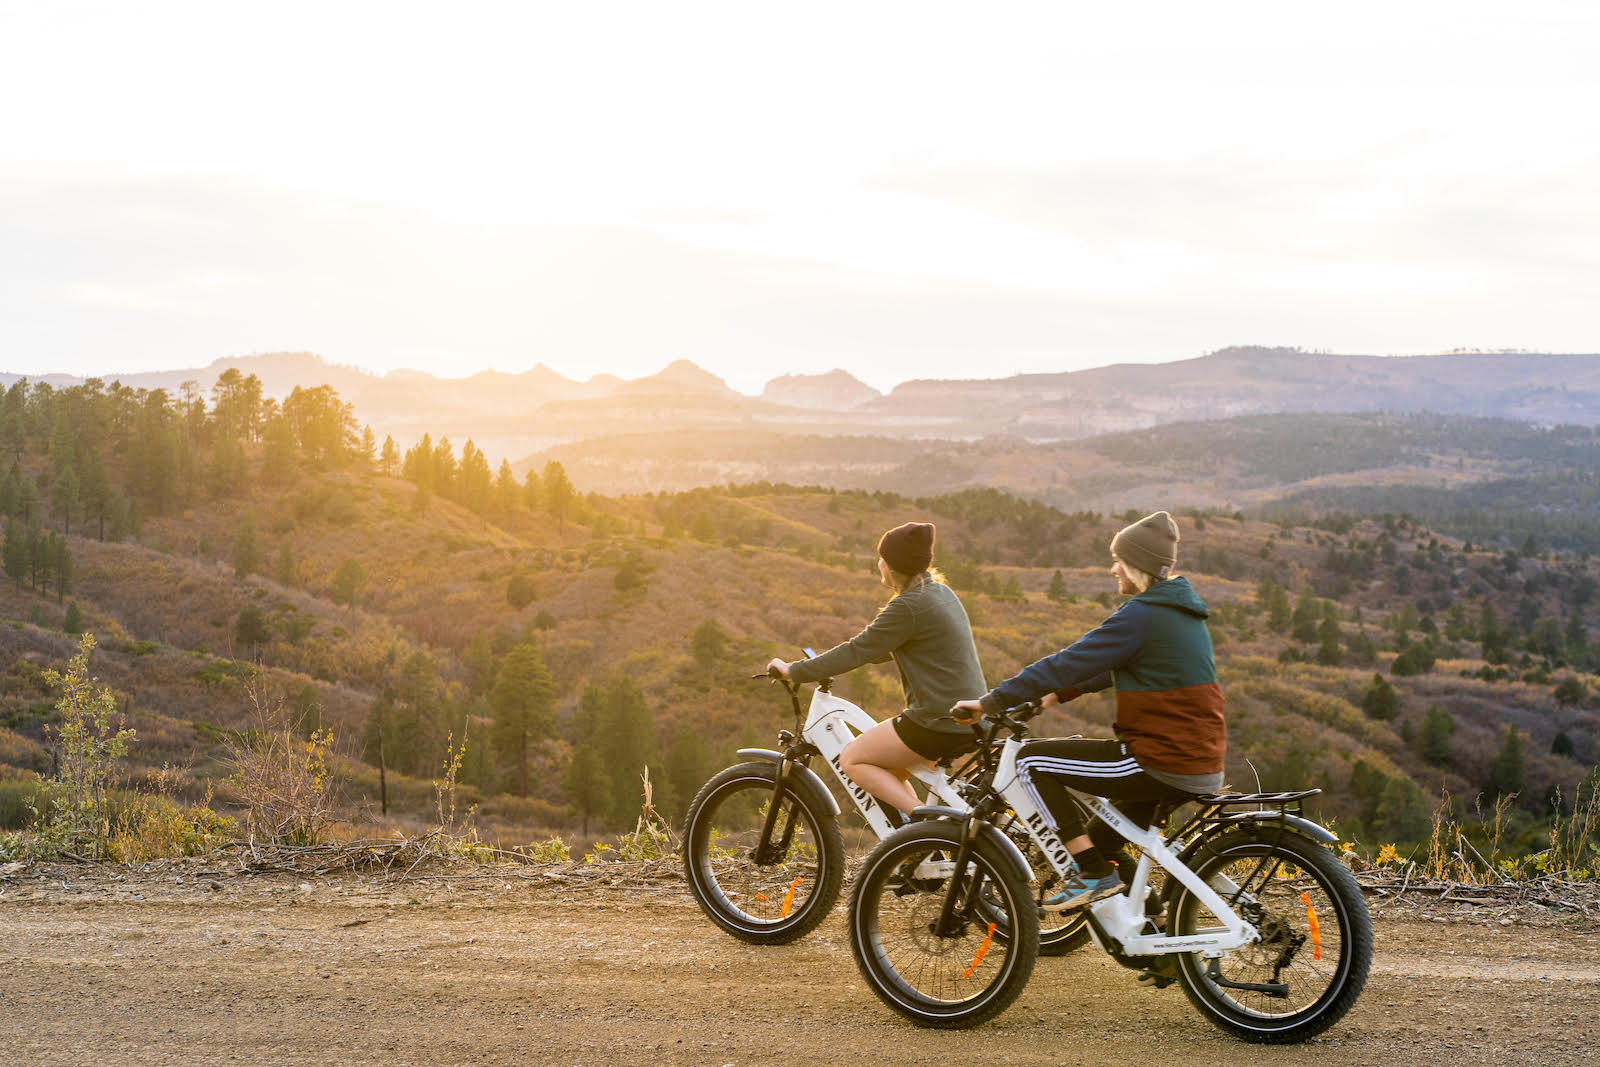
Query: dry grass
284, 783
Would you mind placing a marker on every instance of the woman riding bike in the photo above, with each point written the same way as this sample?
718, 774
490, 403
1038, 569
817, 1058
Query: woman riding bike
1170, 731
924, 629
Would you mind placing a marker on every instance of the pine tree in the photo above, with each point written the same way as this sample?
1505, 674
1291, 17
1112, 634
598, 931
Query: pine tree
1380, 700
73, 624
523, 704
519, 591
710, 641
687, 766
65, 500
557, 491
479, 663
251, 630
586, 784
1057, 593
16, 552
306, 718
348, 581
1279, 613
628, 728
1307, 614
247, 558
1402, 813
1508, 776
286, 571
1433, 740
507, 493
1328, 653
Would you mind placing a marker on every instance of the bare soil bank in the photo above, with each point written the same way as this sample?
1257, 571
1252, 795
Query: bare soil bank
185, 964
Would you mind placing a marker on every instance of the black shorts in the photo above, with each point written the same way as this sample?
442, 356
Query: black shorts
933, 744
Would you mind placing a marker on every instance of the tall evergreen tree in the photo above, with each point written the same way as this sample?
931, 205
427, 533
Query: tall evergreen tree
710, 641
523, 704
1433, 740
247, 555
557, 492
16, 552
586, 784
631, 726
1328, 651
1380, 700
1508, 775
348, 582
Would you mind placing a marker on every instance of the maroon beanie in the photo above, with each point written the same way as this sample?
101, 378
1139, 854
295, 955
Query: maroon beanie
908, 549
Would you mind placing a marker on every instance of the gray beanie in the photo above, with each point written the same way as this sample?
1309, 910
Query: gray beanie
1151, 544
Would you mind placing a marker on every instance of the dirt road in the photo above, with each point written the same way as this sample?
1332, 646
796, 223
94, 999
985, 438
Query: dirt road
190, 965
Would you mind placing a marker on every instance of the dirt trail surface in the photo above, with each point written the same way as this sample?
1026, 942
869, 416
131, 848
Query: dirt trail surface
190, 964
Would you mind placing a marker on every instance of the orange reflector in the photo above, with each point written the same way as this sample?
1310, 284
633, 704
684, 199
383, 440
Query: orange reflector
788, 899
983, 950
1316, 927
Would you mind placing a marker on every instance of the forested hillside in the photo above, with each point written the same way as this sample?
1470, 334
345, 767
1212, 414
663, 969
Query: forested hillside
225, 549
1476, 479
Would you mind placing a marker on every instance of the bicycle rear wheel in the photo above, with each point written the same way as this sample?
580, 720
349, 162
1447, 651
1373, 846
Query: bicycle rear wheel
766, 893
952, 977
1316, 937
1059, 932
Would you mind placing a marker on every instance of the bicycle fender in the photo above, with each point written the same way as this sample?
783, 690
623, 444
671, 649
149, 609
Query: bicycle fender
990, 832
1263, 823
1295, 824
801, 777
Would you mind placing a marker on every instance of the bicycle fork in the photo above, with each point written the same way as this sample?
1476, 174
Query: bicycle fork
960, 894
768, 851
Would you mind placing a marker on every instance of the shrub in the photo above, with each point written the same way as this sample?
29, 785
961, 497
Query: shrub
285, 783
90, 742
1571, 690
1379, 700
20, 801
159, 826
1416, 659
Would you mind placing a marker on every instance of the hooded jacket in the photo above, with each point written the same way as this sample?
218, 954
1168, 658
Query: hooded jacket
1158, 652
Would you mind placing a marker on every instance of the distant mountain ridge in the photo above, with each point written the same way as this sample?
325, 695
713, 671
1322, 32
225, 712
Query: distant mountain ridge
513, 415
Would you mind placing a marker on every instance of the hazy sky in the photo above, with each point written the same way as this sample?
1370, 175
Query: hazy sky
902, 190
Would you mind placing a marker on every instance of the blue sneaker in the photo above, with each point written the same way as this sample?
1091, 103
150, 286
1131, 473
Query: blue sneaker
1080, 890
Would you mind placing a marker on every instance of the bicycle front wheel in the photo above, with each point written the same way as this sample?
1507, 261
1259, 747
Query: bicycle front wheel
945, 970
767, 891
1316, 937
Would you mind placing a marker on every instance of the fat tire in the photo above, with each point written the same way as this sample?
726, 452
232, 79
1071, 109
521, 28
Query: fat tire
1345, 907
701, 867
874, 883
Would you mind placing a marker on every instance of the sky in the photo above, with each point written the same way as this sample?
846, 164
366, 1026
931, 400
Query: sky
901, 190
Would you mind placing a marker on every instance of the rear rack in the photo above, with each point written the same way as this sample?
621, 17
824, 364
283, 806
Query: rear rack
1228, 800
1281, 810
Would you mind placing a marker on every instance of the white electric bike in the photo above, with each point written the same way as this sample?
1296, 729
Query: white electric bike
762, 847
1263, 926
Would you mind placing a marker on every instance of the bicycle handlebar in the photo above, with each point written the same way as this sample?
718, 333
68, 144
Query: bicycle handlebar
1014, 719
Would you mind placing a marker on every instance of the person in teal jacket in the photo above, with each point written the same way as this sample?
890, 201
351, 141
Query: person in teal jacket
1171, 737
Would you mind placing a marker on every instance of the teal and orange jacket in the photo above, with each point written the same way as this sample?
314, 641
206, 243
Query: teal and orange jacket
1158, 652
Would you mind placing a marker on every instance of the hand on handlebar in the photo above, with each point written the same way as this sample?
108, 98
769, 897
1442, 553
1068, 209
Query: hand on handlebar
778, 668
967, 712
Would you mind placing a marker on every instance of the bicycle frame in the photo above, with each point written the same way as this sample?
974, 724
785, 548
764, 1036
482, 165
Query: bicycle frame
833, 722
1122, 917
